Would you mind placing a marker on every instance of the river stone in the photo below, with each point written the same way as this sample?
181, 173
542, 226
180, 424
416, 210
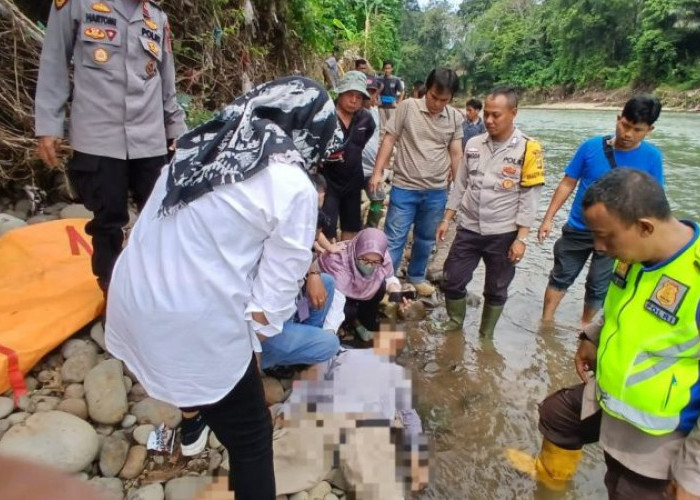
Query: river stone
75, 211
152, 411
105, 392
225, 465
153, 491
274, 392
431, 367
54, 438
302, 495
111, 487
142, 432
46, 403
128, 421
330, 496
215, 459
214, 441
23, 206
97, 333
16, 418
319, 491
26, 403
6, 407
77, 366
113, 454
55, 208
9, 222
135, 462
74, 391
31, 383
74, 406
41, 218
45, 376
185, 488
128, 384
72, 347
137, 393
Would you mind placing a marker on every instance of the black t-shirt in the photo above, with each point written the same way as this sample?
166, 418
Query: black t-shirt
392, 86
344, 171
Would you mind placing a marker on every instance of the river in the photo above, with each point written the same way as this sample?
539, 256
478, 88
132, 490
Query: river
483, 398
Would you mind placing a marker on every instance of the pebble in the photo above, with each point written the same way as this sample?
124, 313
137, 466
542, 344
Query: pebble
137, 393
31, 383
53, 438
113, 454
135, 462
224, 461
142, 432
153, 491
45, 376
431, 367
319, 491
9, 222
185, 488
105, 392
75, 211
111, 487
23, 206
74, 406
71, 347
104, 430
46, 403
55, 208
128, 421
77, 366
157, 412
74, 391
215, 459
97, 333
128, 384
159, 459
6, 407
330, 496
25, 403
302, 495
18, 417
4, 425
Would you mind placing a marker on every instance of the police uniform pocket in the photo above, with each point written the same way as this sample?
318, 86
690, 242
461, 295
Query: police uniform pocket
96, 55
506, 184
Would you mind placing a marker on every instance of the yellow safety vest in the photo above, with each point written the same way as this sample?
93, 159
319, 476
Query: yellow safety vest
648, 370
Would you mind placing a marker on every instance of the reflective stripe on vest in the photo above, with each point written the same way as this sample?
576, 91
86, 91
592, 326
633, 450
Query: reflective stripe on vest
648, 370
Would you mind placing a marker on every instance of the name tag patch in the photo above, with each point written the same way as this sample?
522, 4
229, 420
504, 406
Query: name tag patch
620, 273
99, 19
666, 299
472, 153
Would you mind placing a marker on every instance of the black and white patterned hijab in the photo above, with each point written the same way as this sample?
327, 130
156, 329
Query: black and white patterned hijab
291, 120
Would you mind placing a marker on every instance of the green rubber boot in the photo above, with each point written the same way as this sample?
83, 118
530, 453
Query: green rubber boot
375, 213
489, 318
456, 311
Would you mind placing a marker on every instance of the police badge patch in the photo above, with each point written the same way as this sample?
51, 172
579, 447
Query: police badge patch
666, 299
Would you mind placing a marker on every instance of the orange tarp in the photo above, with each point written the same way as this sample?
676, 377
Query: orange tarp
47, 293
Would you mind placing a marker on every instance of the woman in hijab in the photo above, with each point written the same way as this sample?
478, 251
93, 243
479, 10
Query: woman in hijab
213, 266
363, 273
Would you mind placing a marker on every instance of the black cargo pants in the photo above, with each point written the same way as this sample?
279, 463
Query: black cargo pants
103, 185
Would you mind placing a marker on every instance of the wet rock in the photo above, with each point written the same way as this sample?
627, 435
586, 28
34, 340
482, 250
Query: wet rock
159, 459
111, 487
104, 430
38, 219
319, 491
274, 392
135, 462
54, 438
152, 491
105, 392
74, 391
128, 421
431, 367
137, 393
74, 406
113, 455
97, 333
152, 411
75, 211
18, 417
142, 432
6, 407
302, 495
9, 222
45, 376
185, 488
25, 403
78, 365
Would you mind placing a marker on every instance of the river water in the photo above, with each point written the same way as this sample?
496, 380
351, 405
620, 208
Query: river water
482, 396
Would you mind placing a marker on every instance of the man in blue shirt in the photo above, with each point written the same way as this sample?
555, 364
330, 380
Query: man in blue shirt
593, 159
473, 125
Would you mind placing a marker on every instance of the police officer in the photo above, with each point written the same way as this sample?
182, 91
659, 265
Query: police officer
123, 109
643, 403
495, 198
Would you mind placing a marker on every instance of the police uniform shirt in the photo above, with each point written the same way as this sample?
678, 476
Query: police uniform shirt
123, 96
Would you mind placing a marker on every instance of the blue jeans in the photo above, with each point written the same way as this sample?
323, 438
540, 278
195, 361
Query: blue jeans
303, 343
423, 209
